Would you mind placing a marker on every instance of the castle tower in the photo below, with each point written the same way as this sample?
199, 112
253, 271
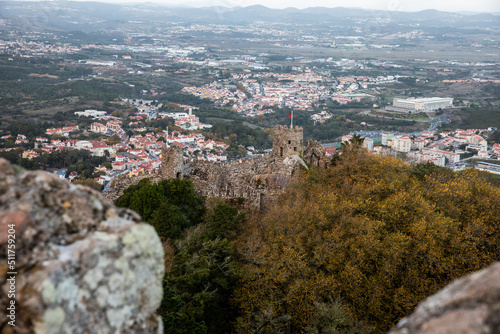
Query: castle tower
287, 141
171, 162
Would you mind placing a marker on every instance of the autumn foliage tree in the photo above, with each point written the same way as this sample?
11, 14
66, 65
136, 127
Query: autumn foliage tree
372, 233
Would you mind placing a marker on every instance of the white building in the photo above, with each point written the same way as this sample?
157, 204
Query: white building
401, 144
424, 104
98, 128
419, 157
417, 144
368, 143
91, 113
478, 140
176, 115
83, 145
451, 156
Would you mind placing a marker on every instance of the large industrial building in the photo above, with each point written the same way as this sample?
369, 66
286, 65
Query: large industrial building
424, 104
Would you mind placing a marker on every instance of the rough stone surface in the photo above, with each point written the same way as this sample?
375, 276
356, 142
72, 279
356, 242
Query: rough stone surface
315, 154
470, 304
83, 265
123, 183
172, 163
287, 141
256, 180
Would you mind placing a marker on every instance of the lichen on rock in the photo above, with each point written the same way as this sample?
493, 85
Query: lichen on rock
83, 265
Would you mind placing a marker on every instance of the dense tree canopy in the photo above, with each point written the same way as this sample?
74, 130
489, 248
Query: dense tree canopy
373, 231
169, 205
201, 268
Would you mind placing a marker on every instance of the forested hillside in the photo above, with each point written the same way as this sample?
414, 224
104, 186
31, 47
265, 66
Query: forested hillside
349, 249
373, 232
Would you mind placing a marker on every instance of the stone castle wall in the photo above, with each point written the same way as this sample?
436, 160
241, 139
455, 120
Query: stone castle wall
252, 179
256, 180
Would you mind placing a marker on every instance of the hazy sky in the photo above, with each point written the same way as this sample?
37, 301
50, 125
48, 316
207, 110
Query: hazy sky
391, 5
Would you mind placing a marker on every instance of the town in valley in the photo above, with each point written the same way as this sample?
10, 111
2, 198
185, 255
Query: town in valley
118, 93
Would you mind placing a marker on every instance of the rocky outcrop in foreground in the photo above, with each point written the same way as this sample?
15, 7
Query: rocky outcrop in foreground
469, 305
81, 264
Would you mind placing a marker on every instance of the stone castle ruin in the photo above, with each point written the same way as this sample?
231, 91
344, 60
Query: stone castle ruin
256, 180
315, 155
172, 163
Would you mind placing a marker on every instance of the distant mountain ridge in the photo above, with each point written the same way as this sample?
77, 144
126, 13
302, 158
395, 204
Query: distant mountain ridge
93, 16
